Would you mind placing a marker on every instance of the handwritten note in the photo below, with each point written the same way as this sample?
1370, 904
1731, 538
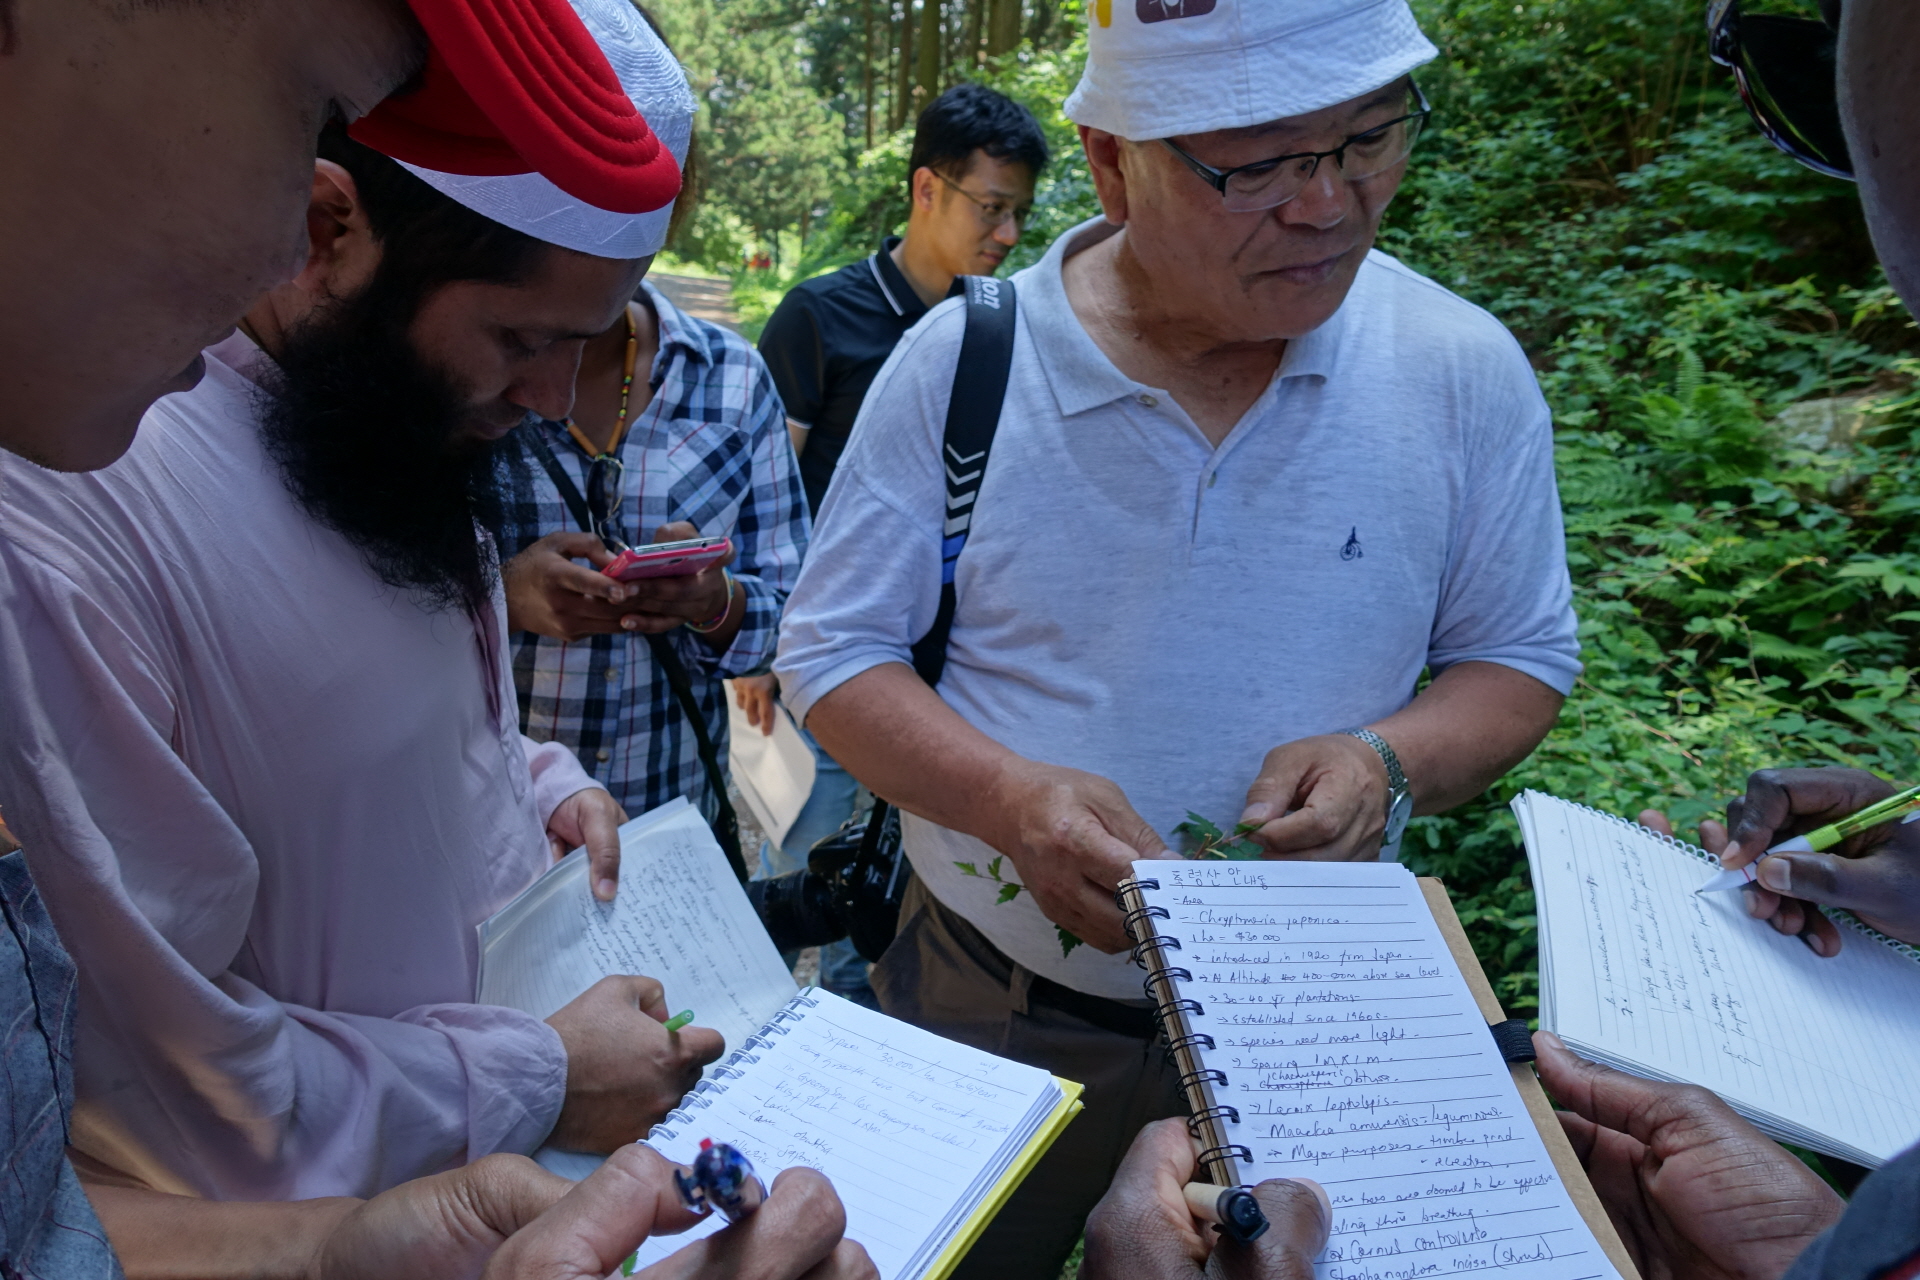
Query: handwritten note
680, 917
913, 1129
1355, 1055
1639, 971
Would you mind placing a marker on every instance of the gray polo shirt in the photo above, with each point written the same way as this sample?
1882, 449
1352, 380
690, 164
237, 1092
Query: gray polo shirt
1136, 602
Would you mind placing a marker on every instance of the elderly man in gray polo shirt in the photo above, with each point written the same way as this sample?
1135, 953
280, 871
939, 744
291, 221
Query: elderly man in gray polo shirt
1251, 479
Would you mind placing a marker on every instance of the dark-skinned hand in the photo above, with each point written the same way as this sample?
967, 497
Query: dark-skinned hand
1875, 874
1142, 1228
1695, 1192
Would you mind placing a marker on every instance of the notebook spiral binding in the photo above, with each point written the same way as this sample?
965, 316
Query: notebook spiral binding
733, 1065
1208, 1118
1846, 918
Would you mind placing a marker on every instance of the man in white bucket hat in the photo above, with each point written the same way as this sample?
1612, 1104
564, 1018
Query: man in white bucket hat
267, 762
1251, 480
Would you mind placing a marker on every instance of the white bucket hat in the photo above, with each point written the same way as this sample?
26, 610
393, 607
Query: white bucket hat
1164, 68
528, 202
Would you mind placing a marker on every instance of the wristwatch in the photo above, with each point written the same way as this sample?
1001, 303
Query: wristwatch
1399, 794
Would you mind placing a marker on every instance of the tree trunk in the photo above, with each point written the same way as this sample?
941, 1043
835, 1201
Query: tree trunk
931, 34
903, 93
1003, 28
976, 19
866, 67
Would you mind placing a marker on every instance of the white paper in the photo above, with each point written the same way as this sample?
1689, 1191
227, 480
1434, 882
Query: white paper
773, 771
1638, 970
680, 917
1356, 1056
913, 1129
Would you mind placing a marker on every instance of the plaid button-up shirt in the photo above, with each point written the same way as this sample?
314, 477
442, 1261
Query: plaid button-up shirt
712, 449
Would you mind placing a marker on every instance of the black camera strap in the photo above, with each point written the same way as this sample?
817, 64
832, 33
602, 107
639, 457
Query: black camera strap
973, 416
726, 827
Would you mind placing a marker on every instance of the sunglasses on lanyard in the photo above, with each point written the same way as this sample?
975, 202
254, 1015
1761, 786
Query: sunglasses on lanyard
1785, 70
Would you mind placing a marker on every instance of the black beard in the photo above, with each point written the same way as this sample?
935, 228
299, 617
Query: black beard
364, 431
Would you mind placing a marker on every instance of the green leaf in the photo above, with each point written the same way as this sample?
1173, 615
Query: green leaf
1067, 941
1199, 827
967, 868
1008, 892
1247, 828
993, 868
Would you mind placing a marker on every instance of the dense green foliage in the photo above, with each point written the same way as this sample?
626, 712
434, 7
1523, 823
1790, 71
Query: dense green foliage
1739, 453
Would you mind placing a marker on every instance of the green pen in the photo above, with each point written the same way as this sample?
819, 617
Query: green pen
682, 1019
1821, 838
1905, 802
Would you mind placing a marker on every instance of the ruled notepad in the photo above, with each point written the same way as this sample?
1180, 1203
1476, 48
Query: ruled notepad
921, 1136
1354, 1054
1639, 971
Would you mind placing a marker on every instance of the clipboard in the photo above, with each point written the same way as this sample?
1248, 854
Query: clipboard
1579, 1187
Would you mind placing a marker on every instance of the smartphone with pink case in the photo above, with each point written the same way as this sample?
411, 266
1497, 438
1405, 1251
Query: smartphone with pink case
669, 559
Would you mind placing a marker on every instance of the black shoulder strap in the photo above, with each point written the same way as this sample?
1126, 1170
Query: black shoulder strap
726, 827
973, 415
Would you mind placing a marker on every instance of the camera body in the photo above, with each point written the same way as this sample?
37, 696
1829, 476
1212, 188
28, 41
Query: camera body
851, 888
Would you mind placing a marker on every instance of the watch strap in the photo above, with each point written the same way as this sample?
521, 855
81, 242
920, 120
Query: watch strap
1396, 776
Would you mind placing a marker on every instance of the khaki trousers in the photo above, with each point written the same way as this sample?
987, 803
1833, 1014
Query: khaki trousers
942, 974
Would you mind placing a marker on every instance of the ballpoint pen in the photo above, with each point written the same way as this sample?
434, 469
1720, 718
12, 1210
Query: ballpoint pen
1905, 802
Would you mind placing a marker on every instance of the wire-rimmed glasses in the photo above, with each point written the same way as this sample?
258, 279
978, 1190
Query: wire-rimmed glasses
1268, 184
994, 213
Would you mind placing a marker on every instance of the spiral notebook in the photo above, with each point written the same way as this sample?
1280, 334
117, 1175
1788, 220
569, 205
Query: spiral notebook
923, 1138
1639, 971
1331, 1023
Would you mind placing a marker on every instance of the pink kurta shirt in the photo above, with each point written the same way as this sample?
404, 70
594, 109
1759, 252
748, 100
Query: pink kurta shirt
267, 799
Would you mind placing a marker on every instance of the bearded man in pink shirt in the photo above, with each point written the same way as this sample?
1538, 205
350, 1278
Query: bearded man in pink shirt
262, 745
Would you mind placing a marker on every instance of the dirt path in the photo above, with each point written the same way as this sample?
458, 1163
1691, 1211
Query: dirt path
698, 296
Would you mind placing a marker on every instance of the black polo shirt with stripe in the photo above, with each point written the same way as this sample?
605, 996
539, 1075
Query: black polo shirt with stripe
825, 342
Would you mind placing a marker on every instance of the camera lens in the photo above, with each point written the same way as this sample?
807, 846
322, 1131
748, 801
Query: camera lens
797, 910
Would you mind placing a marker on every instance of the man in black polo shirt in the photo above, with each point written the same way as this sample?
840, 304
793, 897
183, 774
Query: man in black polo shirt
976, 156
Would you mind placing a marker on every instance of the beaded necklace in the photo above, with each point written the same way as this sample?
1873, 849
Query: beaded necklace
626, 391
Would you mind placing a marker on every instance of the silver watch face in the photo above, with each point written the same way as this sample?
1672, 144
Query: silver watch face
1398, 815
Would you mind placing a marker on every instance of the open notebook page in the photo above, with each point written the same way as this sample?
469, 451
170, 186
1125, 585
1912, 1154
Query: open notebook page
679, 917
1640, 971
912, 1129
1355, 1055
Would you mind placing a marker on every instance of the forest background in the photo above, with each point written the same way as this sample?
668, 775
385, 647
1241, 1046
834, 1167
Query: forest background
1738, 431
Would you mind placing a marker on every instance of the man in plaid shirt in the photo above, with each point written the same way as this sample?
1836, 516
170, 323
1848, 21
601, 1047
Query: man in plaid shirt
699, 446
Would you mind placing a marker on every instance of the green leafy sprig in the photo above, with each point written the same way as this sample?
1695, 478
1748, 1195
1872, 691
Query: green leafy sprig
1011, 889
1213, 844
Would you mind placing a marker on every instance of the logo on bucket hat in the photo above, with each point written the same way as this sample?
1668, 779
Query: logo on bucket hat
1168, 10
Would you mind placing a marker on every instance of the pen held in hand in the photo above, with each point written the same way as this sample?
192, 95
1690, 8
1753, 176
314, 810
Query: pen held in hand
682, 1019
1905, 803
1231, 1209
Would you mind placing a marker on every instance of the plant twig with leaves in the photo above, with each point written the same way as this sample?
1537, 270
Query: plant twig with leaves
1213, 844
1011, 889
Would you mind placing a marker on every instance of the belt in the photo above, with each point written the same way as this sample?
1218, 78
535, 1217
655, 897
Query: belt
1121, 1018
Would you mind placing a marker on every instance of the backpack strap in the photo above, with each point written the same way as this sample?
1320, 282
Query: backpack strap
973, 415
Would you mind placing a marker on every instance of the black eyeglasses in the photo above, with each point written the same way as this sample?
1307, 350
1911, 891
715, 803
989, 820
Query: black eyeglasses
606, 482
1785, 71
1268, 184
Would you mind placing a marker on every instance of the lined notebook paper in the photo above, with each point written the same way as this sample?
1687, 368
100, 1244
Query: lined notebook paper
1640, 972
679, 917
1354, 1054
917, 1133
